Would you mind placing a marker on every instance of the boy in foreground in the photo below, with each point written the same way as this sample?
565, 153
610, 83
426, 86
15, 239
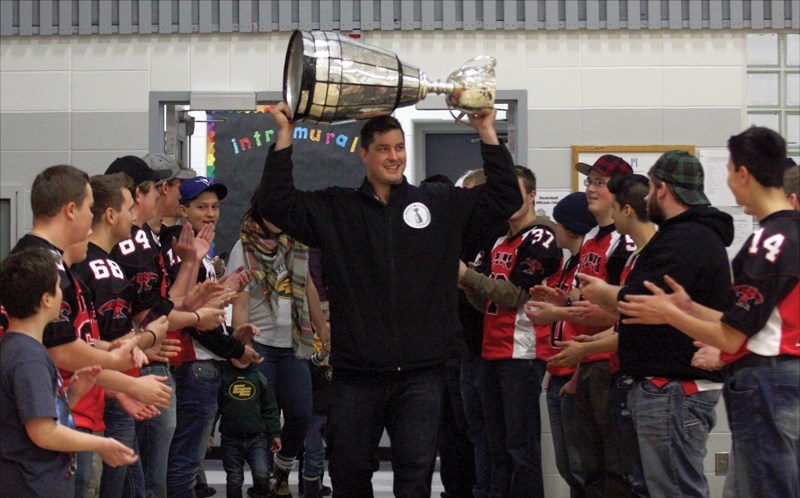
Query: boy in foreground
34, 415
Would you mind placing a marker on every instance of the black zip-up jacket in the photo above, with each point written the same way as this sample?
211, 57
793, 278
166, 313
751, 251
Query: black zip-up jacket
391, 287
690, 248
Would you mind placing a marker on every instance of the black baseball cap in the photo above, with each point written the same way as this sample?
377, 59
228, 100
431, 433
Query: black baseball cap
137, 169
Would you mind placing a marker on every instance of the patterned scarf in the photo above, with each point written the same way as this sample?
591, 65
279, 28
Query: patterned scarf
280, 264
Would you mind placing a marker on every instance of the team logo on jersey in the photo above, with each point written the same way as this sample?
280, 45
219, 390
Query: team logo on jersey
531, 266
747, 296
479, 259
242, 390
84, 329
145, 281
502, 259
119, 307
417, 215
64, 314
591, 260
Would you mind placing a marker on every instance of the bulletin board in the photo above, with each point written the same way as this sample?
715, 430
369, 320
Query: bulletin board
640, 157
238, 142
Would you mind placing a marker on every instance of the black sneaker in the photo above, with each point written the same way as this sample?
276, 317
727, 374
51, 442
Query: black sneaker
203, 491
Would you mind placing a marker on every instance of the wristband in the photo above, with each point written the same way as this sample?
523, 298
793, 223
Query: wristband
198, 317
154, 337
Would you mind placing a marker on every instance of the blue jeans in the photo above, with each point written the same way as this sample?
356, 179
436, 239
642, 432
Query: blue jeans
155, 436
473, 373
621, 386
513, 427
314, 455
561, 409
290, 379
762, 404
126, 480
196, 387
88, 469
672, 430
235, 451
409, 403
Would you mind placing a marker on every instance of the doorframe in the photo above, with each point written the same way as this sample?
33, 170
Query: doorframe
516, 123
516, 129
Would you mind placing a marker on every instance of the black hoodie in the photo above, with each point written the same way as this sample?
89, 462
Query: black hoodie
690, 248
391, 272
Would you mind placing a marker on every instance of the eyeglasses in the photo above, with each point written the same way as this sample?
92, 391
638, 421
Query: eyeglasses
596, 183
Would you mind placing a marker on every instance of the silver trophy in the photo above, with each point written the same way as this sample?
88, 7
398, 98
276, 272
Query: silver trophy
329, 77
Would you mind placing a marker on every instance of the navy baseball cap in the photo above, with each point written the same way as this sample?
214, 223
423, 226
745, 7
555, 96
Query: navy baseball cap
607, 165
193, 187
137, 169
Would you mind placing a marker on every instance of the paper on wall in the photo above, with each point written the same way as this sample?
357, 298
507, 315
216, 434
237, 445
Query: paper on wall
546, 200
715, 166
742, 229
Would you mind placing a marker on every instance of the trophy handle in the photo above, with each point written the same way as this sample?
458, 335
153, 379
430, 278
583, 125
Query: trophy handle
474, 84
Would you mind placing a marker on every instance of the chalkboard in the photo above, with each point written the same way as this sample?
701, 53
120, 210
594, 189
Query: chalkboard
324, 155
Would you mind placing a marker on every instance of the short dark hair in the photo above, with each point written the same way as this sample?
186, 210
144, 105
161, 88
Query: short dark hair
107, 191
438, 179
528, 177
24, 277
55, 187
762, 151
374, 126
631, 190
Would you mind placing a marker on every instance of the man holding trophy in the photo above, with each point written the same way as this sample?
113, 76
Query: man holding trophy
390, 252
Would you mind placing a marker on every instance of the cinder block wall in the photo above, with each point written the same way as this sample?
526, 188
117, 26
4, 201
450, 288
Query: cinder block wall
84, 100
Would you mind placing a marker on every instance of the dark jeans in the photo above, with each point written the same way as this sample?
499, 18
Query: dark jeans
123, 481
290, 380
196, 387
630, 457
409, 404
514, 428
473, 373
314, 454
561, 409
762, 404
673, 430
88, 469
599, 444
456, 456
154, 437
235, 451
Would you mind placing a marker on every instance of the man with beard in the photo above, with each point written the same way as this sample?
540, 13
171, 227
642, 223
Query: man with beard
758, 331
672, 403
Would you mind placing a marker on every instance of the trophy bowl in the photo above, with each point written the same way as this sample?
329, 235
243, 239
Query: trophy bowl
329, 77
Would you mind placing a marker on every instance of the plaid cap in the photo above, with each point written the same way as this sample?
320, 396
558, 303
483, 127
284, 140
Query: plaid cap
167, 163
607, 165
684, 173
190, 189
